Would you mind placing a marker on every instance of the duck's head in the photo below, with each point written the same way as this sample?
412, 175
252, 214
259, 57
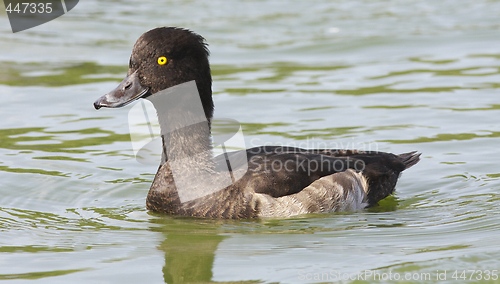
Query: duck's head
162, 58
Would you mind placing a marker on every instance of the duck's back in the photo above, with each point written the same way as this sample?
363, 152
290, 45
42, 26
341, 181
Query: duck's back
285, 181
280, 171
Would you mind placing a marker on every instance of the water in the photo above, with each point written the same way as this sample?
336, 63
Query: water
390, 76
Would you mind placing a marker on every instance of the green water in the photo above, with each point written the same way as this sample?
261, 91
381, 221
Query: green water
376, 75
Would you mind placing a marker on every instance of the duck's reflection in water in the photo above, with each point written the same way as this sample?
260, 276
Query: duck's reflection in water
189, 247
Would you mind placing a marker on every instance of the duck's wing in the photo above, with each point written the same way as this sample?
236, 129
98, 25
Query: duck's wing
281, 171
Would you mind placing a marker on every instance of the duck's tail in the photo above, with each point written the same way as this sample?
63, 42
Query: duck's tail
383, 183
409, 159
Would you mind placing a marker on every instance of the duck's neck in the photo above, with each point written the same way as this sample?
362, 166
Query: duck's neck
185, 129
190, 144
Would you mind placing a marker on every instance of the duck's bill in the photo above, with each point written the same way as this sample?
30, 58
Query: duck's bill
129, 90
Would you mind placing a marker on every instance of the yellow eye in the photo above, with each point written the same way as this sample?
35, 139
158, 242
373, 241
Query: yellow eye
162, 60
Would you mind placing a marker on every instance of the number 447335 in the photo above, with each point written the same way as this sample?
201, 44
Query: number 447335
475, 275
31, 8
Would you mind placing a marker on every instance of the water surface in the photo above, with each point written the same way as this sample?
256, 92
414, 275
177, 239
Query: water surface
382, 75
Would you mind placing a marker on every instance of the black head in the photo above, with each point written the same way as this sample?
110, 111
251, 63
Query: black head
163, 58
